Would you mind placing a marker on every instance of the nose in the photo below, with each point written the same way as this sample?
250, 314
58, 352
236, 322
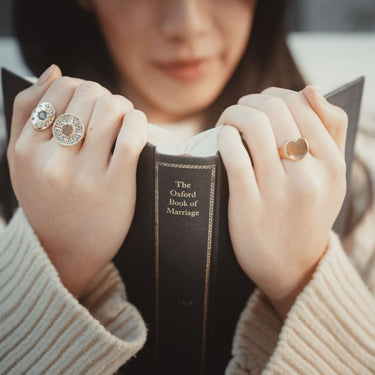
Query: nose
184, 19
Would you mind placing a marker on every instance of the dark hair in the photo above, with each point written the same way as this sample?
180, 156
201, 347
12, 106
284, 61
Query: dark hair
70, 37
66, 34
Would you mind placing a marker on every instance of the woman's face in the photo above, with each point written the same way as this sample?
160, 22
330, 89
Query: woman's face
174, 57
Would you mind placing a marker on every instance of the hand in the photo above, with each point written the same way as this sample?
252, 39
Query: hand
281, 211
79, 199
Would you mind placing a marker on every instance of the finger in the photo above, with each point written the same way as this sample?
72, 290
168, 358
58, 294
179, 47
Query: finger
129, 143
104, 126
27, 100
255, 128
59, 95
241, 177
82, 105
321, 144
283, 124
334, 118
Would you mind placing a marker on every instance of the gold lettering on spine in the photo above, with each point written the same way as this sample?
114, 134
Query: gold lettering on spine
212, 167
156, 264
208, 262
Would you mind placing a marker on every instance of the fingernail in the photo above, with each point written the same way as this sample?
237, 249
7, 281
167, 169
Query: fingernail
44, 77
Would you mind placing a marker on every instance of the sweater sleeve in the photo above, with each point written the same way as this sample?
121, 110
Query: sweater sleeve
44, 329
330, 328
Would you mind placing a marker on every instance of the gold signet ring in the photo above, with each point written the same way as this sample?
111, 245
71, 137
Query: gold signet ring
295, 149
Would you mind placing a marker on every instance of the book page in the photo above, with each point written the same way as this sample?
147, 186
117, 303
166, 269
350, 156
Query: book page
202, 144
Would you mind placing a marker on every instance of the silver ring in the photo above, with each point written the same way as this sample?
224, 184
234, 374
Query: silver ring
43, 116
68, 129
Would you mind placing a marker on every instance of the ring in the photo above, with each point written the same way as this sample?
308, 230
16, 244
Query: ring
295, 149
68, 129
43, 116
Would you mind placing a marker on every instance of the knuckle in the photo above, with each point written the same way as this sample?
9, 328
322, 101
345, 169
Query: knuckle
107, 103
141, 115
268, 89
245, 115
292, 98
128, 146
124, 102
244, 99
341, 117
274, 104
88, 87
64, 83
225, 132
231, 110
258, 117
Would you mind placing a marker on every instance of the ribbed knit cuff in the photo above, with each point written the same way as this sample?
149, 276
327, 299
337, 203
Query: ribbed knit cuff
256, 336
330, 328
44, 329
105, 298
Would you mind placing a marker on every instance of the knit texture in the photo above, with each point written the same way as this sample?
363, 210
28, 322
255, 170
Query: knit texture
44, 329
330, 329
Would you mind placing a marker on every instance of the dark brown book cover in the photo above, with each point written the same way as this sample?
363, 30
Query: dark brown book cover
177, 261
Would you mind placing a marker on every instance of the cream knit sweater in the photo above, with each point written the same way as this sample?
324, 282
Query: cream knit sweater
330, 329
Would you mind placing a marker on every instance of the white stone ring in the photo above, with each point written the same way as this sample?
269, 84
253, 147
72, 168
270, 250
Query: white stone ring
43, 116
68, 129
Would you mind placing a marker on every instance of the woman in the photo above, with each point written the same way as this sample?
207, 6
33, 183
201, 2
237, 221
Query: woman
183, 64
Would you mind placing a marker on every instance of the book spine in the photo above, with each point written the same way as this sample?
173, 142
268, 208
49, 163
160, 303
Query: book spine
230, 288
184, 214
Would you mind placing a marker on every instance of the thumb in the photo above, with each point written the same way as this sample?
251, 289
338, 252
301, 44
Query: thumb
27, 100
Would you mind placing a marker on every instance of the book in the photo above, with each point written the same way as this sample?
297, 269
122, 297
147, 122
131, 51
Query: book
177, 260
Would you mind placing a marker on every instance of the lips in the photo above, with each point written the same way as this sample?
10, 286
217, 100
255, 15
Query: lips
186, 70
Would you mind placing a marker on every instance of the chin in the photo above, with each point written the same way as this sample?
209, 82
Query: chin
186, 100
182, 107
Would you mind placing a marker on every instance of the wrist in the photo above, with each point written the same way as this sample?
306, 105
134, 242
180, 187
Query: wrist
284, 300
75, 277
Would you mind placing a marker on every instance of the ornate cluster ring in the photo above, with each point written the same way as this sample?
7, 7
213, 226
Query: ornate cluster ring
294, 149
68, 129
43, 116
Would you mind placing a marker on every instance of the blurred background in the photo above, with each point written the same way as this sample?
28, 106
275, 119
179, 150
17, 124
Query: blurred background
332, 41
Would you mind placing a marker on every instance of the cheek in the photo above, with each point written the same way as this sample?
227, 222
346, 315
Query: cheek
234, 22
120, 31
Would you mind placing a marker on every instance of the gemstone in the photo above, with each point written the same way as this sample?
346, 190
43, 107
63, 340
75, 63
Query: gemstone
42, 115
297, 149
67, 129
